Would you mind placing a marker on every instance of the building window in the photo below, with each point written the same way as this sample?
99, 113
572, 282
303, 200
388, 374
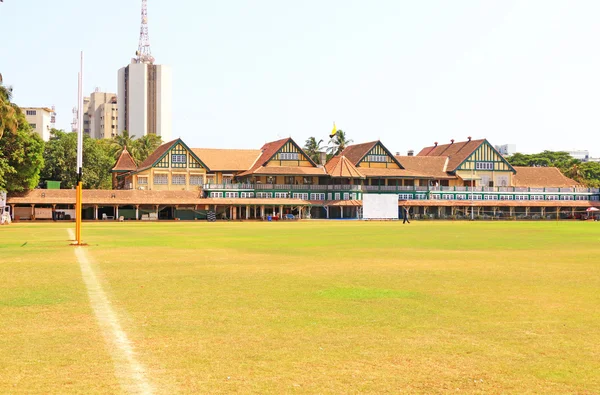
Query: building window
143, 180
506, 197
270, 180
264, 195
475, 197
317, 196
289, 180
448, 197
161, 179
231, 194
461, 197
490, 197
346, 196
537, 197
421, 196
303, 196
484, 165
552, 197
216, 194
281, 195
521, 197
337, 196
377, 158
31, 112
288, 156
178, 179
196, 180
247, 194
178, 158
404, 196
33, 125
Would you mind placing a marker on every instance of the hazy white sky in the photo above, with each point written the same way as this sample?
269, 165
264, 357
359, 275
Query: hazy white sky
406, 72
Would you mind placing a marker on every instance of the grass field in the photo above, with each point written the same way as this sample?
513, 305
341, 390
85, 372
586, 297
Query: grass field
307, 307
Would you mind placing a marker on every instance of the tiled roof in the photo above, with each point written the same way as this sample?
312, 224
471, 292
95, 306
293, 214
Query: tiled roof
340, 166
284, 170
268, 150
357, 151
160, 151
433, 166
125, 162
227, 159
456, 152
541, 177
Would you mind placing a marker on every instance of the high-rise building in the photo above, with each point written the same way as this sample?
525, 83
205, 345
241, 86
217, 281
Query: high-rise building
41, 120
100, 115
144, 91
144, 104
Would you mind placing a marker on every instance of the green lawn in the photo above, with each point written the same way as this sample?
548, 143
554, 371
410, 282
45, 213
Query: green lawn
307, 307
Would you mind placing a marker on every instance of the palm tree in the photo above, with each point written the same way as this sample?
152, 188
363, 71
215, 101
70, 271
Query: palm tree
8, 113
146, 145
313, 148
338, 143
119, 142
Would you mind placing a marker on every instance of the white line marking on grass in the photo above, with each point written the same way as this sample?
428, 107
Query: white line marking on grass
130, 372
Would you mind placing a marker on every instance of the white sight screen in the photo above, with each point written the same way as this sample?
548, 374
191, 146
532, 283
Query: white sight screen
380, 206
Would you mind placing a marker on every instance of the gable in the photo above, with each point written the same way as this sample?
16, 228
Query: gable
290, 155
378, 156
178, 156
485, 158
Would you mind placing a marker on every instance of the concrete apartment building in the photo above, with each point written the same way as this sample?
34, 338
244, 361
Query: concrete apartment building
100, 115
144, 104
41, 120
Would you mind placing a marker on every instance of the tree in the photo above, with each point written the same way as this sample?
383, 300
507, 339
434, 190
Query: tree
144, 146
120, 141
8, 114
21, 154
61, 156
338, 143
313, 148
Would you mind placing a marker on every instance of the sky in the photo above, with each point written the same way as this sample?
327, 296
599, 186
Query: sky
409, 73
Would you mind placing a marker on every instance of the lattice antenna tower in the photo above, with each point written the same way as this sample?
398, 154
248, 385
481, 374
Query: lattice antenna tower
143, 54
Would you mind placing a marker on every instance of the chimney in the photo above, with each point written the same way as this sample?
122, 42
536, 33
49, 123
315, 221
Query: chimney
435, 144
322, 157
410, 153
469, 138
452, 141
397, 153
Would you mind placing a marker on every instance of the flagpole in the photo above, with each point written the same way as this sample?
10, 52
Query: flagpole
78, 205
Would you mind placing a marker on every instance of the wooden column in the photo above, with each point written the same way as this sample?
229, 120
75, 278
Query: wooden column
247, 212
117, 212
33, 212
281, 211
342, 212
557, 213
137, 212
12, 212
262, 211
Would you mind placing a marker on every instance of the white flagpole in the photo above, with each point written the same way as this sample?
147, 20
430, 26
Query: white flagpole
80, 121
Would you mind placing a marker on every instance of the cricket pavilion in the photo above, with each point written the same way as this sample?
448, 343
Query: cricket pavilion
467, 179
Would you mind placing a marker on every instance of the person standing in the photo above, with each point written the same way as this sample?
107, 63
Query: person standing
406, 213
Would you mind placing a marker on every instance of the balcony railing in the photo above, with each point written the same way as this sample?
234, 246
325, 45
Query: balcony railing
394, 188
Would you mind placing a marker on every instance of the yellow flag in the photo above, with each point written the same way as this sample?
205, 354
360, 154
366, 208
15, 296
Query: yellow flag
334, 131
